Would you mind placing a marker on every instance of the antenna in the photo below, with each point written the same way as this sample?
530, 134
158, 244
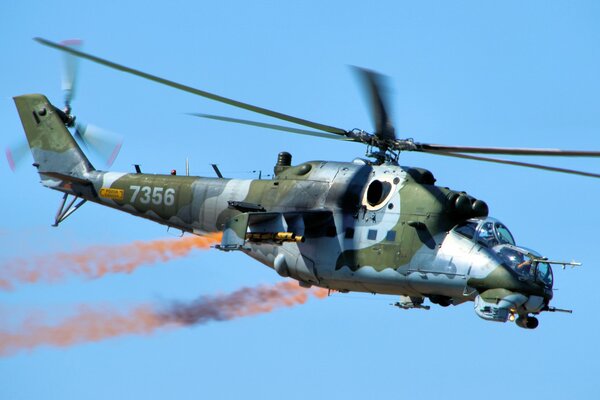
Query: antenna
187, 166
219, 174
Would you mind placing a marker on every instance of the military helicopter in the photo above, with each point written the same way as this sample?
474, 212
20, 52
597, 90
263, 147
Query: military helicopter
369, 225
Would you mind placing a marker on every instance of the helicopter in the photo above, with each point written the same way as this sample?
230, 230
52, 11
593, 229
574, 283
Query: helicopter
367, 225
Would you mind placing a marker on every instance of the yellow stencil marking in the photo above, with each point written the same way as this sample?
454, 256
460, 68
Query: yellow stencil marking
113, 194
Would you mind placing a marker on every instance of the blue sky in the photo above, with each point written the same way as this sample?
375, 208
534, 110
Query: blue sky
467, 73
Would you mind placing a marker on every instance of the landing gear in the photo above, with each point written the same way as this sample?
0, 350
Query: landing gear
443, 301
408, 302
67, 209
527, 322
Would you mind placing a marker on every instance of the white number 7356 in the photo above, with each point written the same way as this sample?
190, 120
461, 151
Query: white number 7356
156, 195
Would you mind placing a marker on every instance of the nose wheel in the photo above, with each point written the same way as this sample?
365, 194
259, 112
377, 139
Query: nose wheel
527, 322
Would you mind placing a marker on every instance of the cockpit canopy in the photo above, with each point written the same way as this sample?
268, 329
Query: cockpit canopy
527, 263
487, 231
493, 234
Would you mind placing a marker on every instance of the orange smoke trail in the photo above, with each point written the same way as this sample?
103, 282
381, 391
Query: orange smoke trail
96, 261
90, 325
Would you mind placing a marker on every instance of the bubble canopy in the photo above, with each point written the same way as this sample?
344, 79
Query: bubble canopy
486, 231
527, 263
493, 234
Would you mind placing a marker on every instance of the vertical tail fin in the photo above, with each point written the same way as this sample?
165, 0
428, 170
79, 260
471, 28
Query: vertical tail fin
54, 149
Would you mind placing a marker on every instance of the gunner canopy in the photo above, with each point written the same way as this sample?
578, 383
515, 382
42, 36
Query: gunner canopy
494, 235
526, 263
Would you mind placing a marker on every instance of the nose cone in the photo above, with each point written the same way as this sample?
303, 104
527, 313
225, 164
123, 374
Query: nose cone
489, 273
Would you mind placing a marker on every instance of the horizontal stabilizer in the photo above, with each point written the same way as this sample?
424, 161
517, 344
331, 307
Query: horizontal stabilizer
67, 178
69, 184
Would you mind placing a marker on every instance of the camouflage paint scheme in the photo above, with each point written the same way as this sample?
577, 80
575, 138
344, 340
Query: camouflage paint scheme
364, 227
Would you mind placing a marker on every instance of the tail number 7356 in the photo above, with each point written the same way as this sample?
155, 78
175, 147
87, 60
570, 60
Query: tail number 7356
155, 195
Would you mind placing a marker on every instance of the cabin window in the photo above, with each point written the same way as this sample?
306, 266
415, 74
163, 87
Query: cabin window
466, 229
331, 231
390, 236
349, 233
372, 235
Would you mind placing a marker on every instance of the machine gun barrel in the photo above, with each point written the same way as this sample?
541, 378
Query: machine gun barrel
554, 309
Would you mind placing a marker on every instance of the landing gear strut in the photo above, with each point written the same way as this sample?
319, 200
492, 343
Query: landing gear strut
65, 209
408, 302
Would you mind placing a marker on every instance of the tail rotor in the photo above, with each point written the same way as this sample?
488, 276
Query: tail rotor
69, 73
103, 144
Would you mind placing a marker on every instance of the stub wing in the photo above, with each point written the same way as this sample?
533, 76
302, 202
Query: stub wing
274, 227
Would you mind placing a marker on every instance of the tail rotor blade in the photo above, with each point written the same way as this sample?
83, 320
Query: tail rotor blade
15, 155
69, 72
77, 133
103, 143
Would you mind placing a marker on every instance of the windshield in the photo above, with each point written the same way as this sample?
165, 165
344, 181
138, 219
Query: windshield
525, 264
492, 234
486, 235
544, 273
488, 232
516, 260
504, 234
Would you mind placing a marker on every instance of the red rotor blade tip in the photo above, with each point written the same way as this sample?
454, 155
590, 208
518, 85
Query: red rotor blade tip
10, 159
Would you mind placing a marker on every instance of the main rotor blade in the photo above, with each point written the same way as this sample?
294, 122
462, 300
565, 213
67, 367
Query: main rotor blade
271, 126
506, 150
516, 163
189, 89
376, 90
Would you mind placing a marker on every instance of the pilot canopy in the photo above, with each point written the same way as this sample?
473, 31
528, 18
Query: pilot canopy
493, 234
488, 232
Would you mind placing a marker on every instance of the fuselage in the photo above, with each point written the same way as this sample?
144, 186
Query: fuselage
347, 226
369, 228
